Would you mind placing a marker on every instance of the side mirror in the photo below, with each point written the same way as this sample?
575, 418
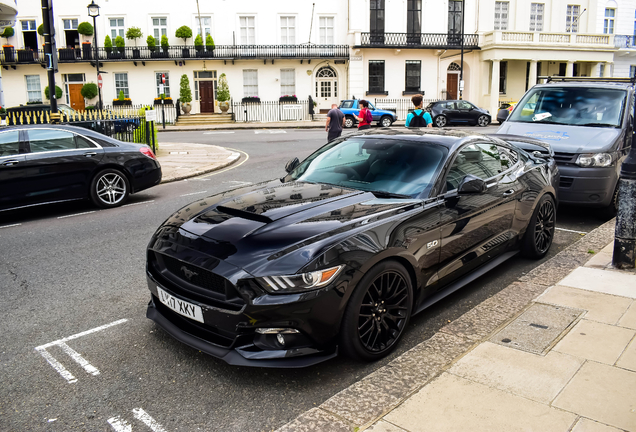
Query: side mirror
292, 164
472, 185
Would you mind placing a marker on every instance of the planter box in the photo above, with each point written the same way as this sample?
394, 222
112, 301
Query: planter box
136, 53
158, 54
165, 102
66, 54
205, 54
87, 51
117, 102
288, 99
25, 56
9, 54
185, 53
251, 100
115, 55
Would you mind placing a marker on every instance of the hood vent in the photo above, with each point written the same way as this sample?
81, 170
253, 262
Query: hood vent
244, 214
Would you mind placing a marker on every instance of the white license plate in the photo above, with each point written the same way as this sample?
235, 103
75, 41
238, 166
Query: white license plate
181, 307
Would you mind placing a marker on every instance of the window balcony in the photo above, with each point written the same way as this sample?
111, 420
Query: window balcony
418, 40
537, 40
624, 41
11, 56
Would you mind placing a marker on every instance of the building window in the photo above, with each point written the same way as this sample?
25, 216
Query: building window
536, 17
206, 23
377, 17
121, 84
288, 30
250, 82
376, 76
70, 24
414, 17
501, 15
503, 69
159, 27
608, 23
34, 93
116, 28
413, 76
455, 17
325, 30
166, 86
572, 19
248, 30
28, 25
29, 35
287, 82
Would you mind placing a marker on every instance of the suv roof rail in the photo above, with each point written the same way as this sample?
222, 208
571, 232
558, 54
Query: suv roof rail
549, 79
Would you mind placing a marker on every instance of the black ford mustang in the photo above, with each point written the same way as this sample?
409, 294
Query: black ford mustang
337, 255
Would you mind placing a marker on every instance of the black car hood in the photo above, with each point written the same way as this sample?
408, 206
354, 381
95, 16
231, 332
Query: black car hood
285, 225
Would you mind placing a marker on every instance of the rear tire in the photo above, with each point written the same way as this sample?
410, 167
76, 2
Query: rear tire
540, 230
440, 121
378, 312
110, 188
349, 122
611, 210
386, 121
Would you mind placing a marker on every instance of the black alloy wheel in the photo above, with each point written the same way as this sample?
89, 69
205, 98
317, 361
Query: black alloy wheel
540, 232
483, 120
378, 312
440, 121
612, 209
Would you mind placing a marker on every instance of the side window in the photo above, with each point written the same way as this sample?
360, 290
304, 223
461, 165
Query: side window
463, 105
83, 143
45, 140
347, 104
449, 105
371, 107
9, 143
480, 160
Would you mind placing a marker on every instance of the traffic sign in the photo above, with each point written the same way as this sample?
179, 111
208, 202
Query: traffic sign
99, 80
163, 78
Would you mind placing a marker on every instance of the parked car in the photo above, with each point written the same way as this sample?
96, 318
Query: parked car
351, 110
504, 110
457, 112
589, 125
339, 254
50, 163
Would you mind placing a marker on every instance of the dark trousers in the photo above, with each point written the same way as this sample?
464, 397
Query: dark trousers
332, 135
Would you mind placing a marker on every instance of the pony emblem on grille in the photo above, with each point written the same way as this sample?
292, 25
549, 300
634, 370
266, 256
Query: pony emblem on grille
189, 274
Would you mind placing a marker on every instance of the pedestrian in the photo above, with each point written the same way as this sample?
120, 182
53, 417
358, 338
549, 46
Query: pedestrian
335, 122
365, 118
419, 117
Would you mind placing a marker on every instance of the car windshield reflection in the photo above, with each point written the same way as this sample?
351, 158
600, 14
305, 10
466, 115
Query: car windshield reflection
387, 167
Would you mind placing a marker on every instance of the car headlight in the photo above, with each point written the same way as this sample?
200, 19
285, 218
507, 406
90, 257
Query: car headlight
299, 282
595, 160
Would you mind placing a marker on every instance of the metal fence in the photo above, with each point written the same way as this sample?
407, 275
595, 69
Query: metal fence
419, 40
167, 111
270, 111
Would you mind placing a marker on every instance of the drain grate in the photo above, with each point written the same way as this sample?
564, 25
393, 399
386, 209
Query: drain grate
537, 328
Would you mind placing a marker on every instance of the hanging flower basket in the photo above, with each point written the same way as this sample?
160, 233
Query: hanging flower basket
125, 102
288, 98
251, 99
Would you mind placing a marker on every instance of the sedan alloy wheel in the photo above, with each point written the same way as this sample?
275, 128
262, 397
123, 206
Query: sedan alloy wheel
109, 188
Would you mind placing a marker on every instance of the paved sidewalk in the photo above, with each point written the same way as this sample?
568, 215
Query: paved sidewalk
182, 160
555, 351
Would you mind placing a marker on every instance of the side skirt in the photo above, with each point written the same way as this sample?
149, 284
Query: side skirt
465, 280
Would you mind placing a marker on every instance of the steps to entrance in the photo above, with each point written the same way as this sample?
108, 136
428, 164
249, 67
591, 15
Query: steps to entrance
203, 119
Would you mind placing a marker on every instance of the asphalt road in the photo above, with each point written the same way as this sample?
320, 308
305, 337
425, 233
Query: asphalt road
68, 269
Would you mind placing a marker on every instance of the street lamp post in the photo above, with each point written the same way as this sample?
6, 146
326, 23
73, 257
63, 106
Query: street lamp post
93, 11
461, 70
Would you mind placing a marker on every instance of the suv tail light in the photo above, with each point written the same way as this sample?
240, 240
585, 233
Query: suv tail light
147, 152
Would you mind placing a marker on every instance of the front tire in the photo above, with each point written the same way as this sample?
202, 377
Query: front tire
109, 188
612, 209
377, 313
441, 121
483, 120
349, 122
540, 231
386, 121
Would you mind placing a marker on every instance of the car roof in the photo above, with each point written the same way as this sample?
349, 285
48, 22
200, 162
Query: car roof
446, 137
586, 84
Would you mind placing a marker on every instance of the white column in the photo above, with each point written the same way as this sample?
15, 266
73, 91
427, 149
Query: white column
532, 76
595, 70
494, 88
569, 69
608, 70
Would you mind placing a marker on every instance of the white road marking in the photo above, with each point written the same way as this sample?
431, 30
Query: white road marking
143, 202
148, 421
194, 193
275, 131
572, 231
238, 182
76, 214
220, 132
234, 156
9, 226
119, 425
89, 368
201, 179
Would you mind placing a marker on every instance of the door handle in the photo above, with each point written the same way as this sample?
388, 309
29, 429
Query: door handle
509, 192
10, 162
90, 154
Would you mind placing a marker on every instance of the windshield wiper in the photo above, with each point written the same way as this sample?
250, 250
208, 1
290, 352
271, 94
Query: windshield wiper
385, 194
598, 125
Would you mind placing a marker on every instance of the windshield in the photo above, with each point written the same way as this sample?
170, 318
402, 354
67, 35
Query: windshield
380, 165
575, 106
65, 109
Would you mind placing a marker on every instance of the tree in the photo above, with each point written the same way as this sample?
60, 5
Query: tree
223, 92
7, 33
152, 43
209, 42
185, 94
134, 33
108, 44
164, 41
58, 92
85, 29
184, 32
89, 90
198, 43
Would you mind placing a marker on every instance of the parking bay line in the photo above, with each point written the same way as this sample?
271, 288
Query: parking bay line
194, 193
76, 214
121, 425
572, 231
137, 203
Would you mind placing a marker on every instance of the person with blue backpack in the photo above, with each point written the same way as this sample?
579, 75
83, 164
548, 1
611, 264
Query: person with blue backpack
419, 117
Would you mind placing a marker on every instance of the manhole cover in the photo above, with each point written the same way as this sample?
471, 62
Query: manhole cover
537, 328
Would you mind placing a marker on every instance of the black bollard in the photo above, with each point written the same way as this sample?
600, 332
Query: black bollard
625, 234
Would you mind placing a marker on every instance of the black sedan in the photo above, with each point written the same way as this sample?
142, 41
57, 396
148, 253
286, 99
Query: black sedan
343, 250
457, 112
52, 163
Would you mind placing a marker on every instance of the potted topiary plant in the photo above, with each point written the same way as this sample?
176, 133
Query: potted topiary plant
134, 33
209, 45
185, 94
223, 94
9, 57
121, 99
108, 46
86, 29
185, 33
152, 45
58, 93
198, 45
165, 45
89, 91
121, 46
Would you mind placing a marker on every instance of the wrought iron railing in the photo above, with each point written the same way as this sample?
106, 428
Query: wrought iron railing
624, 41
419, 40
271, 111
10, 55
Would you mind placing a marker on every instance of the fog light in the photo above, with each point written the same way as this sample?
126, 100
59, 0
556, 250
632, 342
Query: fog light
269, 330
280, 338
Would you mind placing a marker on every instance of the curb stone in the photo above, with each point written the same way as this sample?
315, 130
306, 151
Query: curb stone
367, 401
200, 172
